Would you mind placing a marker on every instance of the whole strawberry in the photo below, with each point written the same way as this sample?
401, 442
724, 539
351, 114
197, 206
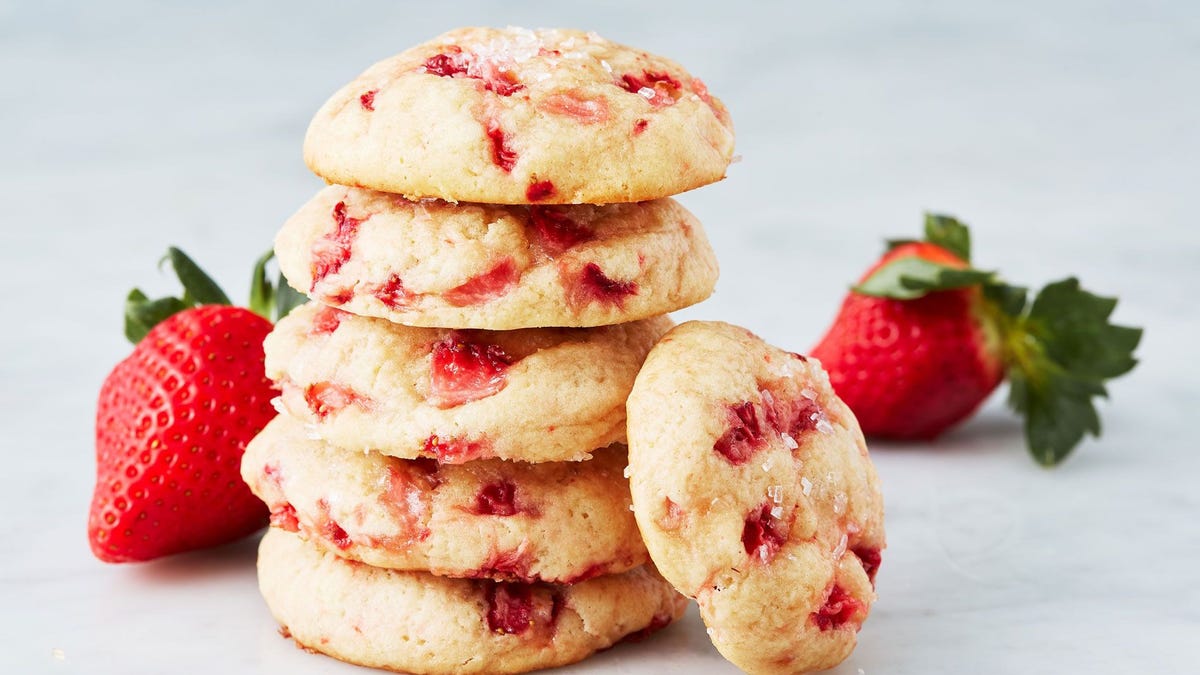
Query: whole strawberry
174, 418
924, 338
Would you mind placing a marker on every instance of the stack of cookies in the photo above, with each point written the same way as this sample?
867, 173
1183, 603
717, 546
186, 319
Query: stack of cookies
490, 266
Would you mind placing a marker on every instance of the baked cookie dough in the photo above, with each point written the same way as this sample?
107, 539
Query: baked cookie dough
432, 263
417, 623
514, 116
557, 522
534, 395
755, 494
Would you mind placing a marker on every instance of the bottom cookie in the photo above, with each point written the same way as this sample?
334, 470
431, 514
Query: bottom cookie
417, 623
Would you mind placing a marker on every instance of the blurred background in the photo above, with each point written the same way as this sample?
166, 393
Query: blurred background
1065, 132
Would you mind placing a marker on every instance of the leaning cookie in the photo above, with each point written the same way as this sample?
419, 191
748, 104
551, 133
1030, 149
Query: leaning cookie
755, 494
417, 623
534, 395
431, 263
513, 116
556, 522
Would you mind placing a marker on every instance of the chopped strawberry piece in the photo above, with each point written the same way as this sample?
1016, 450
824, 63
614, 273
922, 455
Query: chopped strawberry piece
870, 559
447, 64
284, 517
326, 320
327, 398
393, 294
839, 609
497, 498
330, 530
462, 371
506, 565
332, 250
539, 190
456, 62
659, 88
555, 231
593, 285
639, 126
455, 450
406, 500
744, 436
764, 533
585, 108
367, 100
510, 608
487, 286
503, 156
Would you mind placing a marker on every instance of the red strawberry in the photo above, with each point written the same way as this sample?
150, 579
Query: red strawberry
174, 418
924, 338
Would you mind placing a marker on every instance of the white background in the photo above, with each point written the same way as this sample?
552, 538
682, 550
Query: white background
1066, 133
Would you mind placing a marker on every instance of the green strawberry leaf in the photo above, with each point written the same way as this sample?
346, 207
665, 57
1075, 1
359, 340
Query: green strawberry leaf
1073, 326
912, 277
286, 298
949, 233
142, 314
1060, 353
1010, 300
262, 293
198, 287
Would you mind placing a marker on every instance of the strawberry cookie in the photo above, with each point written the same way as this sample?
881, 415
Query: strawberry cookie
754, 492
558, 522
515, 116
535, 395
417, 623
432, 263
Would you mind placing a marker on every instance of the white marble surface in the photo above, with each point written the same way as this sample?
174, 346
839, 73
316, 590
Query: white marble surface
1065, 132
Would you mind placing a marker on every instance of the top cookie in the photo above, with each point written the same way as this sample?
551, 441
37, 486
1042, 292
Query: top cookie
754, 493
515, 116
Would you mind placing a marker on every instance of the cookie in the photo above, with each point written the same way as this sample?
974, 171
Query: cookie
432, 263
557, 522
755, 494
535, 395
417, 623
515, 116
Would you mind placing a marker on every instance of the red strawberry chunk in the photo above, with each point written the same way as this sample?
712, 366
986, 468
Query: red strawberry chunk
332, 250
639, 125
462, 371
329, 528
326, 320
455, 450
405, 498
838, 610
659, 88
764, 533
503, 155
393, 294
497, 498
871, 559
555, 231
484, 287
327, 398
539, 190
506, 565
593, 285
367, 99
455, 62
585, 108
744, 436
510, 608
284, 517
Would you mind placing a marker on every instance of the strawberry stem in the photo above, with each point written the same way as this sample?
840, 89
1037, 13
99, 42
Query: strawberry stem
142, 313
